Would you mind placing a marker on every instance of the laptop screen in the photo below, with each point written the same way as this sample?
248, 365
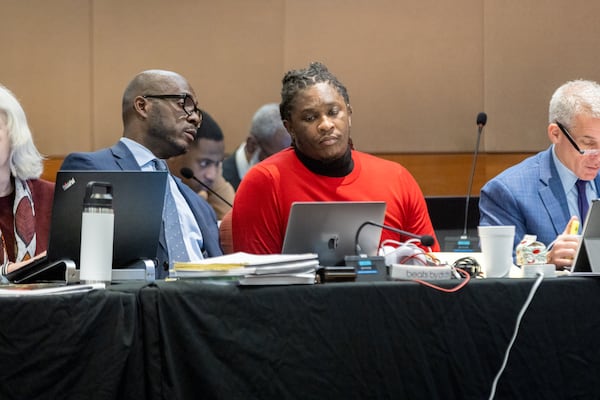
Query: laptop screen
138, 199
329, 229
587, 258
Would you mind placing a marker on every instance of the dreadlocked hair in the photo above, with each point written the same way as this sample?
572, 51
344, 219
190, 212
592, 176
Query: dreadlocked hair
297, 80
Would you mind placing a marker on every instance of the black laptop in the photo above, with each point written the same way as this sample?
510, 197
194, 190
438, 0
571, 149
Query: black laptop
587, 258
138, 198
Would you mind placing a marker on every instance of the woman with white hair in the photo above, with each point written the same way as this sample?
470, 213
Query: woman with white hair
25, 200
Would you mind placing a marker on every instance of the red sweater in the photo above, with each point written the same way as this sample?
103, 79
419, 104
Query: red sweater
42, 193
265, 196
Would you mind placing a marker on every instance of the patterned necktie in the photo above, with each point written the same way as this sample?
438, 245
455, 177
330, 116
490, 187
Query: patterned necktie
582, 201
171, 226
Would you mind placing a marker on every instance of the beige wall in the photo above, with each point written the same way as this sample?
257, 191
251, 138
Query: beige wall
418, 71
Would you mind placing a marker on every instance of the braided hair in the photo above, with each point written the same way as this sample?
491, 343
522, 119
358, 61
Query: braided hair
297, 80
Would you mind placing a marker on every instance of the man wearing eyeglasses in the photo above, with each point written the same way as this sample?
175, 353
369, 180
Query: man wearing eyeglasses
160, 120
204, 159
544, 194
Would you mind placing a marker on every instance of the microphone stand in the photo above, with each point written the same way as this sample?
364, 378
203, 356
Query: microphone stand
212, 191
372, 267
187, 173
464, 239
426, 240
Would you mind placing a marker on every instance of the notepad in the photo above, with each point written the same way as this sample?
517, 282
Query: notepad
250, 267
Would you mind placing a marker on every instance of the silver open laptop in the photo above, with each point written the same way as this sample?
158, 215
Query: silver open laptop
329, 229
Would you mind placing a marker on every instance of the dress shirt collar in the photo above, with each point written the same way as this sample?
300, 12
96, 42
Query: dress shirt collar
568, 178
241, 162
142, 155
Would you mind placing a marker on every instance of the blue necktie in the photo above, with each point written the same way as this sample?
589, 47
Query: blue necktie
582, 201
171, 226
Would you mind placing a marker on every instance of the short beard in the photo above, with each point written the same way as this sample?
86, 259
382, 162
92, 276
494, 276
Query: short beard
160, 142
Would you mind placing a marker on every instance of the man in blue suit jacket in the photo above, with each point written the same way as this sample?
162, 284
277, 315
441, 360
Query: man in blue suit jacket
539, 195
160, 119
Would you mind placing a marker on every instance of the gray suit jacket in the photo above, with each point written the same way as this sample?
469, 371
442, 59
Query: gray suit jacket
118, 157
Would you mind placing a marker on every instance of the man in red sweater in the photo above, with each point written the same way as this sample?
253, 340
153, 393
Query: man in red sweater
321, 165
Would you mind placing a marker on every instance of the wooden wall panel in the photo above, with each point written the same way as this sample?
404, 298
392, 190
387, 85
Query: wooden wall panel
46, 62
418, 71
530, 49
437, 174
229, 50
448, 174
413, 69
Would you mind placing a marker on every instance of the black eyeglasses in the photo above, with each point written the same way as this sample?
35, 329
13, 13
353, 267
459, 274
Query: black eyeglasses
590, 152
189, 105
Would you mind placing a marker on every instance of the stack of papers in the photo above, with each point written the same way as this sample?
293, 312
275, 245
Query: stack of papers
40, 289
253, 269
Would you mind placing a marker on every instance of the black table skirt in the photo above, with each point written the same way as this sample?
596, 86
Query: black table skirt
388, 340
73, 346
383, 340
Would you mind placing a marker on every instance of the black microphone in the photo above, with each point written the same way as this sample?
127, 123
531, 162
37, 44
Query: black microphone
481, 121
426, 240
187, 173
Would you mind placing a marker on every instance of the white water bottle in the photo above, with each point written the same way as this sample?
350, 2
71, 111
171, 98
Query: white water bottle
97, 232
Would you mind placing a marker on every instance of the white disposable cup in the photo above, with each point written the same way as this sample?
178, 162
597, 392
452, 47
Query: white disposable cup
497, 248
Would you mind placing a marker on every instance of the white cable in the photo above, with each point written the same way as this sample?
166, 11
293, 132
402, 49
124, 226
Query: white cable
534, 288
